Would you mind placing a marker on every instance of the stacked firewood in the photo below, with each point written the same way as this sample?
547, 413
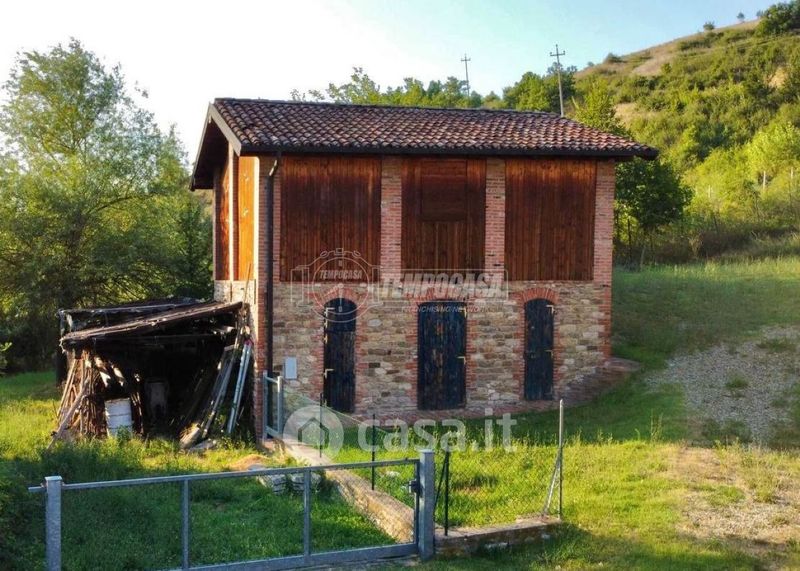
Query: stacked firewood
82, 407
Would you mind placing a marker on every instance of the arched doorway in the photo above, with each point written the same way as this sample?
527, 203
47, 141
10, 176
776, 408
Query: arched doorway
339, 356
539, 336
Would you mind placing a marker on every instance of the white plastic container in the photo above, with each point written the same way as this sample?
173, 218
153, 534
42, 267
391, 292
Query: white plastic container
118, 416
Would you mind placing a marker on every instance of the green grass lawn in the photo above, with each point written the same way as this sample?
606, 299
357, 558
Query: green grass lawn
626, 488
139, 528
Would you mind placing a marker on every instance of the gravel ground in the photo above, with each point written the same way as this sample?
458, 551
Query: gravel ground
742, 389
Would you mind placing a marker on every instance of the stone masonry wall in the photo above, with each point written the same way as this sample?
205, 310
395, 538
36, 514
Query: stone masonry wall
386, 345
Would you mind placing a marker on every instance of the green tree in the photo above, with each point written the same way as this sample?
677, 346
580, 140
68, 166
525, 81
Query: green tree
3, 348
780, 18
361, 89
540, 92
596, 109
772, 149
90, 189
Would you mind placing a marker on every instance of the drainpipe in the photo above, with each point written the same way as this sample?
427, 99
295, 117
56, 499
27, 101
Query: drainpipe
270, 192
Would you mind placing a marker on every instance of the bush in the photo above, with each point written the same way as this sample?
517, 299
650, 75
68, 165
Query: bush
612, 58
709, 26
780, 18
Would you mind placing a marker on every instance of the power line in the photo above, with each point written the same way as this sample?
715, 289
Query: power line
558, 55
466, 61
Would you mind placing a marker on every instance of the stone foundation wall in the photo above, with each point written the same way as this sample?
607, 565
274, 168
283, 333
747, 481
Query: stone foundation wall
386, 344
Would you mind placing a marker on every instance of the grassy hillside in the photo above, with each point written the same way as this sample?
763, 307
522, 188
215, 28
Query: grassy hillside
704, 91
723, 108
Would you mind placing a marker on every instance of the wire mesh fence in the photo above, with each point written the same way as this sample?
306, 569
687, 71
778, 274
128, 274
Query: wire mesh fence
297, 514
480, 480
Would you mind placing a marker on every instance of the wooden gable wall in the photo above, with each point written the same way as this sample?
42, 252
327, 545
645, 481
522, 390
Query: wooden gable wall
329, 202
550, 209
443, 213
222, 200
246, 217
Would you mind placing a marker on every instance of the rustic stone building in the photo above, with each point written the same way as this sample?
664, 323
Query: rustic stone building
447, 260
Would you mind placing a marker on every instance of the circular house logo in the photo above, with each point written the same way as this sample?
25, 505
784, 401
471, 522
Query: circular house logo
337, 274
315, 426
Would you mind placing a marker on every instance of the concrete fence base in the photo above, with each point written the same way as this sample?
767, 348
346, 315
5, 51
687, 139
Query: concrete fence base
466, 541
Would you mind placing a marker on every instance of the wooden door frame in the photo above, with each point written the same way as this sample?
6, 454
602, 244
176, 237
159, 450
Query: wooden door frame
354, 349
466, 373
526, 341
522, 296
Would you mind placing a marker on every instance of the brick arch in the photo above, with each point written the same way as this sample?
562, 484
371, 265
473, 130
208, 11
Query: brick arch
539, 292
432, 295
335, 293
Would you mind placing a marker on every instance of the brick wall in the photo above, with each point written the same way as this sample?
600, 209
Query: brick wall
386, 330
495, 246
391, 217
603, 246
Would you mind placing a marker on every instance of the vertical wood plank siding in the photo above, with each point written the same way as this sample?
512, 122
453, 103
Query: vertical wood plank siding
223, 228
246, 189
550, 208
443, 213
329, 203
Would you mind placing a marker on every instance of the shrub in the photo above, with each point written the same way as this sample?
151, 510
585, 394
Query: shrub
612, 58
779, 19
709, 26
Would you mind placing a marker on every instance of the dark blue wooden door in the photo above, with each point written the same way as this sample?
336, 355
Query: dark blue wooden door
442, 355
339, 382
539, 325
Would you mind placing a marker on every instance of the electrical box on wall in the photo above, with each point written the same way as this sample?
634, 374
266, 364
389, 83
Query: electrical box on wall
290, 368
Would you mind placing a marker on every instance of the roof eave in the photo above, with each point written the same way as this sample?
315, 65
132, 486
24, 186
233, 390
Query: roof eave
647, 154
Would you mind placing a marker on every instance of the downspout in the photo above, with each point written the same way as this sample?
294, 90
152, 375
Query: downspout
270, 294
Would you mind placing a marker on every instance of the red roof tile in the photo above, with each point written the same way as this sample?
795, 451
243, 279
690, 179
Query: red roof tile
263, 125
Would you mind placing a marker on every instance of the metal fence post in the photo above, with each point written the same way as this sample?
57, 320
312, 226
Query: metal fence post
266, 405
446, 468
279, 412
427, 493
307, 514
560, 456
373, 451
52, 486
185, 523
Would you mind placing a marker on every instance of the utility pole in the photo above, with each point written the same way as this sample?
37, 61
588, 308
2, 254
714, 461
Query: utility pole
466, 61
558, 55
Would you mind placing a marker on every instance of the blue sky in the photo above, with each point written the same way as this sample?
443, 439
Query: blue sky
187, 53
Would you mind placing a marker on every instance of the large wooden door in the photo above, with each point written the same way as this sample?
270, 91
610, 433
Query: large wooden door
339, 382
442, 350
539, 325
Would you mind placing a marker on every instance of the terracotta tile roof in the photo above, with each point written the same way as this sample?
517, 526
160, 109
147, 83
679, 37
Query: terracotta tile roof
263, 125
